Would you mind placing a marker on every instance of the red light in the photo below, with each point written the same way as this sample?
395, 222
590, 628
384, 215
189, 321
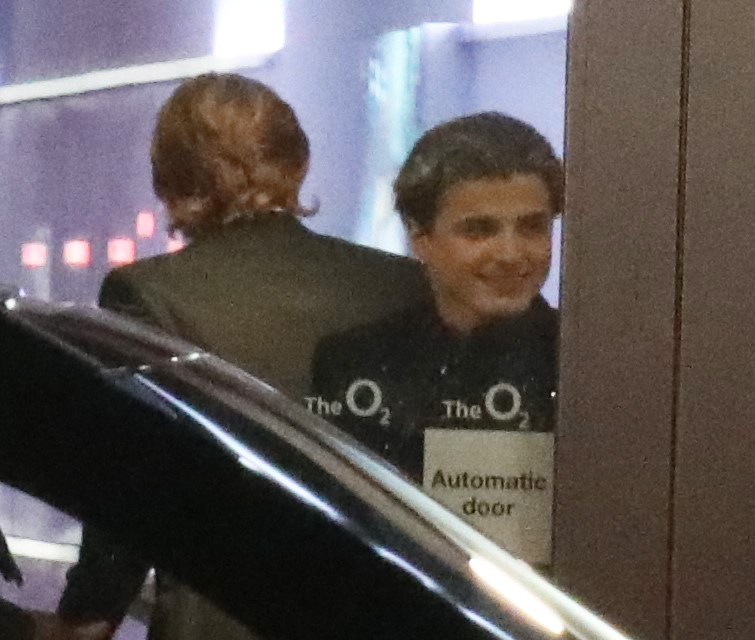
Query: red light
77, 253
34, 255
121, 251
175, 244
145, 224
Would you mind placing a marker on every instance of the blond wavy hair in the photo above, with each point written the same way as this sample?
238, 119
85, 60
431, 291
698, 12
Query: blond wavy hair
225, 147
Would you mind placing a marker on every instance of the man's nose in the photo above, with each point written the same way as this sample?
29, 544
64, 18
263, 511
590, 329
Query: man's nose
508, 246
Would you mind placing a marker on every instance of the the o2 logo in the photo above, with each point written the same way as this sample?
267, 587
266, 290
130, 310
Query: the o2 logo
502, 403
364, 399
503, 388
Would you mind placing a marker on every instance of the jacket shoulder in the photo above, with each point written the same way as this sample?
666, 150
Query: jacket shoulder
131, 290
361, 255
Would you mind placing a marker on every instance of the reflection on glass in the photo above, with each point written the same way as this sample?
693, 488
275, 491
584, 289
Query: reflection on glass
514, 592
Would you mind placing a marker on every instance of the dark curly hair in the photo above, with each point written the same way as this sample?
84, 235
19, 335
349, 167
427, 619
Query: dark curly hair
225, 145
475, 147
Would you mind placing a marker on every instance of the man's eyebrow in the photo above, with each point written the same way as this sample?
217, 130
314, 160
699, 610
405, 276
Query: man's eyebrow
477, 217
484, 216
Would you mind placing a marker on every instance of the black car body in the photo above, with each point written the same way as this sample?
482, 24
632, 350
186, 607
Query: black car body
273, 513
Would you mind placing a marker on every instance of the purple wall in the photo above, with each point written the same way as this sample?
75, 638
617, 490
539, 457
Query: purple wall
53, 38
526, 77
78, 166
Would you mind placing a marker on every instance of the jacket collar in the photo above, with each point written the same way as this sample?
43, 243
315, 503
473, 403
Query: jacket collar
256, 229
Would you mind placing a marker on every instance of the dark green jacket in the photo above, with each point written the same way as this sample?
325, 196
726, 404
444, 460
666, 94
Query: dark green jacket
262, 294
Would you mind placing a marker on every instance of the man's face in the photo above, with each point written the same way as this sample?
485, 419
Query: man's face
488, 252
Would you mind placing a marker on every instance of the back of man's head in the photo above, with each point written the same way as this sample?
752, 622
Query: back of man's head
226, 145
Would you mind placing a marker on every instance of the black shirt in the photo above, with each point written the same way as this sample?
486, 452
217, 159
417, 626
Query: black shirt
389, 381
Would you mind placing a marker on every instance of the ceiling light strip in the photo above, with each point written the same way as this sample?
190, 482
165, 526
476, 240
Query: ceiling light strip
39, 550
124, 77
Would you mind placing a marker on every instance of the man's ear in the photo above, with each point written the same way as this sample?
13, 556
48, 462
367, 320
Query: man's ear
418, 240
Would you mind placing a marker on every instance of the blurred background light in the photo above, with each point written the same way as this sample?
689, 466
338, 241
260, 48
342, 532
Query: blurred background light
77, 253
145, 224
34, 255
510, 11
121, 251
249, 27
174, 244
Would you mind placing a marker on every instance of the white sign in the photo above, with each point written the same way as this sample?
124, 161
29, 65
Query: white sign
501, 482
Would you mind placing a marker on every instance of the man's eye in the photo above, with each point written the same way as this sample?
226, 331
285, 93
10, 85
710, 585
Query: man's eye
477, 228
534, 224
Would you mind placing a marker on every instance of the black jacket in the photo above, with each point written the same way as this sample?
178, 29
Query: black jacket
390, 380
261, 294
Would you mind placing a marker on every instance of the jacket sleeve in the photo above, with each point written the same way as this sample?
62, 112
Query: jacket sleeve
107, 577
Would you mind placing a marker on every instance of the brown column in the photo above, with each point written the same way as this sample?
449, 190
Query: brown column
619, 294
714, 505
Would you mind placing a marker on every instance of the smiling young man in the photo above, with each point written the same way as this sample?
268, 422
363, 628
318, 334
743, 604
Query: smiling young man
478, 196
488, 250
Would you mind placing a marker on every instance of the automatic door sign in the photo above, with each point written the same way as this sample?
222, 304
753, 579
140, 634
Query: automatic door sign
501, 482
